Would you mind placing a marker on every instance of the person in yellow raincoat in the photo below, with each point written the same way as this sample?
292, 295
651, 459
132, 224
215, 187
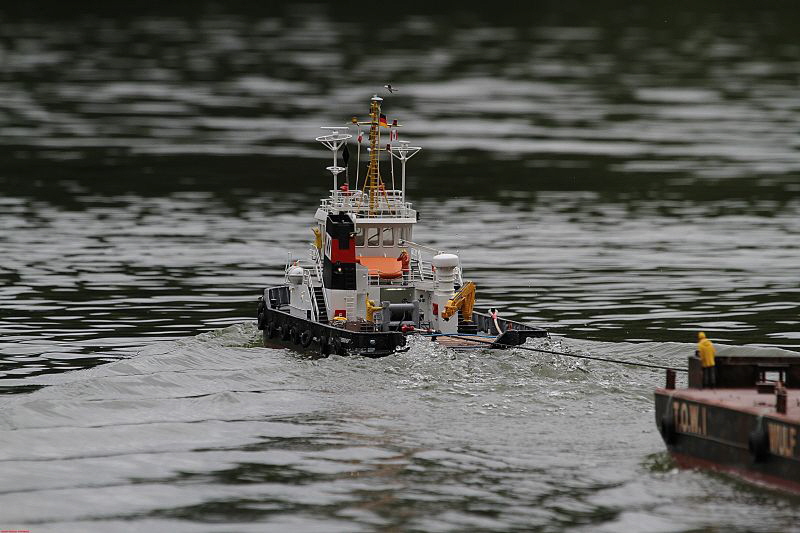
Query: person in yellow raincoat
706, 352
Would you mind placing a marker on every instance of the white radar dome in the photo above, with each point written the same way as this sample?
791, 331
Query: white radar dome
295, 275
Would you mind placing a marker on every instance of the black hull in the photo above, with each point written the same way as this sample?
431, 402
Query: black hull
322, 339
758, 448
282, 327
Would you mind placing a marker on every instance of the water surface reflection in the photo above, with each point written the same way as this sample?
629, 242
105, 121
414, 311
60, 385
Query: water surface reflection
621, 175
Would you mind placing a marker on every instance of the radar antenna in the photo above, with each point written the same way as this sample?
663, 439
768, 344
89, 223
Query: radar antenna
404, 152
334, 140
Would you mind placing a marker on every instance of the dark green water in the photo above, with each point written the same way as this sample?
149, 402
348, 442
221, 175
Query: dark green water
622, 175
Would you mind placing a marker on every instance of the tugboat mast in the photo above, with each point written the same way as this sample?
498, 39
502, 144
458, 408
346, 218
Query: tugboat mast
372, 181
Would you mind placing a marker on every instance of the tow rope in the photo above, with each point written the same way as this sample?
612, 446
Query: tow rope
552, 352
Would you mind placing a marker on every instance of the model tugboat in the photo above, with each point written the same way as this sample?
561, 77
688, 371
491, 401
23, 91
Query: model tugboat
746, 426
367, 284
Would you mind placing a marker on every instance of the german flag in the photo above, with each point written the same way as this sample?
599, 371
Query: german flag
382, 121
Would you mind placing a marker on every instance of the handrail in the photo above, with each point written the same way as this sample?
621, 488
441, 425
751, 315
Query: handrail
388, 203
306, 264
457, 276
314, 305
422, 247
375, 280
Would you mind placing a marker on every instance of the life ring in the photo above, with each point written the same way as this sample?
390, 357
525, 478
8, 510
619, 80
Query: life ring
305, 339
667, 426
758, 443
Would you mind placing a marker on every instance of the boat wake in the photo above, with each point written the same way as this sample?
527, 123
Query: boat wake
211, 420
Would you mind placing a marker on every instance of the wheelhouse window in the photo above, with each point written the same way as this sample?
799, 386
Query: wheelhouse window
373, 237
359, 236
388, 236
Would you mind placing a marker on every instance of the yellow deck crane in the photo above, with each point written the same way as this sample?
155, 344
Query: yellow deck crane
463, 300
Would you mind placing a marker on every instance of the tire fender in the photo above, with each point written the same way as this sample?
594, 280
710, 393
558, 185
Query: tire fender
261, 314
294, 334
338, 346
667, 427
305, 339
324, 346
758, 443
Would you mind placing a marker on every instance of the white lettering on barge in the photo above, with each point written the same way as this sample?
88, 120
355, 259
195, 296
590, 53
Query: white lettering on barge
782, 439
690, 418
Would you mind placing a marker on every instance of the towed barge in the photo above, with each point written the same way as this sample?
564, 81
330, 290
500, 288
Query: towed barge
747, 426
366, 284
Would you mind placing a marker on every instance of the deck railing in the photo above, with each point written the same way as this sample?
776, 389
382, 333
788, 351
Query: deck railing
421, 264
387, 204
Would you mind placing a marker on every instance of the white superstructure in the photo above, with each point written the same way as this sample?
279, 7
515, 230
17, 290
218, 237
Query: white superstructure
366, 271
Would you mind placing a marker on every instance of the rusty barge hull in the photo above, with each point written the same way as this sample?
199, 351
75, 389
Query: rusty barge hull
748, 427
718, 431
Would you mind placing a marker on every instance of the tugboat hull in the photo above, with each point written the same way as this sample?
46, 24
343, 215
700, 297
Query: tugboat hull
279, 326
